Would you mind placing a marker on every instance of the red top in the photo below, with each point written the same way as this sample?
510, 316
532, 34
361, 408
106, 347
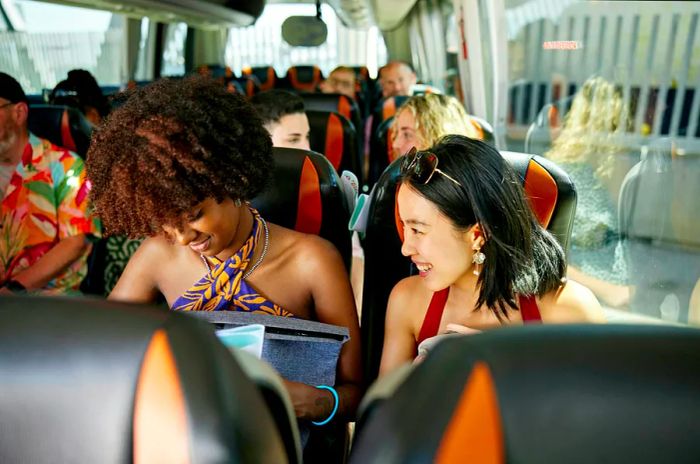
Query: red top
431, 323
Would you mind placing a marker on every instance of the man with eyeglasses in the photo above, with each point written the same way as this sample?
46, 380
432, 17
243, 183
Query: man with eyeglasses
44, 224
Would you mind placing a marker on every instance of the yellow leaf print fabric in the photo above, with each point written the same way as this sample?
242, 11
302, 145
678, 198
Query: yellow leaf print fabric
224, 289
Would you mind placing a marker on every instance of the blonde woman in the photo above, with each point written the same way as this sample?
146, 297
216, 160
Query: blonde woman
423, 119
587, 148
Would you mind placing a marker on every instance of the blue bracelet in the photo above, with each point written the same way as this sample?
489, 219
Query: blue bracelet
335, 407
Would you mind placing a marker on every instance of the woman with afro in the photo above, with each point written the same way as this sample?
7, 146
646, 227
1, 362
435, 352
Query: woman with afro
178, 163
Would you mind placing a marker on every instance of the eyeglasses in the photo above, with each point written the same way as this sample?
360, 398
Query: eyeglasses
421, 165
6, 104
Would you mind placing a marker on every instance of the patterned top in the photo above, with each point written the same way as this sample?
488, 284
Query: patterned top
44, 202
224, 289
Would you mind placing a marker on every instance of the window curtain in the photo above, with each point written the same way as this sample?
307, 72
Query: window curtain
427, 25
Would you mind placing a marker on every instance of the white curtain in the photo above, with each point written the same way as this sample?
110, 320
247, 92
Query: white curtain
427, 27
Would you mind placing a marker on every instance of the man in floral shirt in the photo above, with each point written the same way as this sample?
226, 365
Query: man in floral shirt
45, 229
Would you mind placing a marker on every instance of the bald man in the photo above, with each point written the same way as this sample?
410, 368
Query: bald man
396, 78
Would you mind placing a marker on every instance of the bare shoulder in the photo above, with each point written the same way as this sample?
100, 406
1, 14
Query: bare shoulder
572, 302
139, 281
409, 301
154, 252
310, 250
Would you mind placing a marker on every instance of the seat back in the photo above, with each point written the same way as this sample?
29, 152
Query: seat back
305, 195
553, 200
61, 125
334, 136
265, 75
548, 393
98, 381
335, 102
304, 78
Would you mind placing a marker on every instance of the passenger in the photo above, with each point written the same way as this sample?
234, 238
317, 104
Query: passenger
586, 148
396, 78
80, 90
340, 80
484, 260
423, 119
178, 163
43, 210
284, 118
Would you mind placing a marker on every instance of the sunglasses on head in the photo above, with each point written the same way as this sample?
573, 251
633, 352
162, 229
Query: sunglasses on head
421, 165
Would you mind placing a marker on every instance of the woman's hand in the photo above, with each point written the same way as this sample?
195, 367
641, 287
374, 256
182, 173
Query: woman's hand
309, 402
460, 329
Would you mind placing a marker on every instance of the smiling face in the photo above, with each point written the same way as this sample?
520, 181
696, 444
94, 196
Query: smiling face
442, 253
211, 228
291, 131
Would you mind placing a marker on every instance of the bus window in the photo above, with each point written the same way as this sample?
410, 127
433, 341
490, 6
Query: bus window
262, 44
48, 40
609, 91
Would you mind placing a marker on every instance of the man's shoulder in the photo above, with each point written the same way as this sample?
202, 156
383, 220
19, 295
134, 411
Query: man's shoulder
44, 152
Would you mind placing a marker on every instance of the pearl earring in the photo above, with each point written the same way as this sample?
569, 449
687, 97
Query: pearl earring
478, 259
237, 203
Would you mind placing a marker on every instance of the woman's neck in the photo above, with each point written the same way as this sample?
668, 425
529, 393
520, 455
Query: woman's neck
245, 227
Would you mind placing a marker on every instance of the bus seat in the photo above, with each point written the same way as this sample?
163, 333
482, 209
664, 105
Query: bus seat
305, 194
98, 381
336, 102
659, 222
249, 84
552, 196
381, 152
551, 393
304, 78
266, 76
335, 137
106, 263
61, 125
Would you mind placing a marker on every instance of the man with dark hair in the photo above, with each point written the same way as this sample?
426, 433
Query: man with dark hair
43, 205
283, 116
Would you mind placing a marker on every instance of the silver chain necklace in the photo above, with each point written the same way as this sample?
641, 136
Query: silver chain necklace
266, 245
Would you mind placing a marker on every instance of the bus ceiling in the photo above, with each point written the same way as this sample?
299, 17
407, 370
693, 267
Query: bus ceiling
202, 14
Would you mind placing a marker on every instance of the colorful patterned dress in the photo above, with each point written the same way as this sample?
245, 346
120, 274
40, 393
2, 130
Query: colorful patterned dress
225, 289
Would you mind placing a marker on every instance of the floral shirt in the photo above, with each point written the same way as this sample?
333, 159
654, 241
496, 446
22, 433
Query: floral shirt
45, 201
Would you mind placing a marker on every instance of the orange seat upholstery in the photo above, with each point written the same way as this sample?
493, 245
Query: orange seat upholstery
265, 75
552, 197
61, 125
336, 102
543, 394
305, 195
334, 136
304, 78
97, 381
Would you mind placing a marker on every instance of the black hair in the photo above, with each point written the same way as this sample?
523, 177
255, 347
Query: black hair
522, 258
272, 105
80, 90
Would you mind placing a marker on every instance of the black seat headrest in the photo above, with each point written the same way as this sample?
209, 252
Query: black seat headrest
97, 381
335, 137
548, 393
61, 125
305, 195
